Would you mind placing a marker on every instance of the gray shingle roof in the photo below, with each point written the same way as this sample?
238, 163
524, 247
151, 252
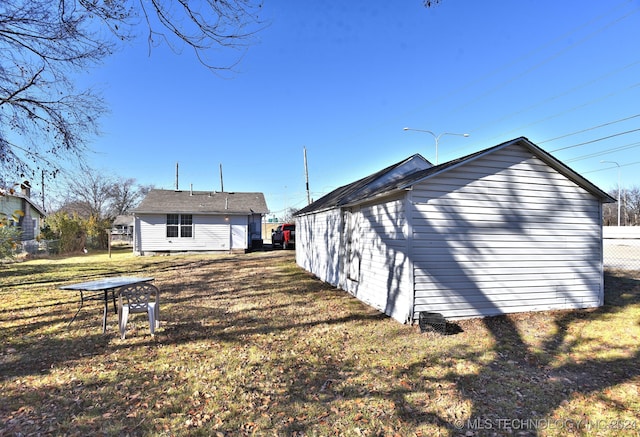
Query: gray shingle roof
123, 220
360, 190
370, 185
202, 202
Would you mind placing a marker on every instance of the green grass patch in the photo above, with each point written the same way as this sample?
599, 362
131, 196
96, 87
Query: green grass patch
250, 344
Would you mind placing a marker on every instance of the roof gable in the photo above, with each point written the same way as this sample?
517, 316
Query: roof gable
202, 202
365, 189
20, 197
541, 154
370, 185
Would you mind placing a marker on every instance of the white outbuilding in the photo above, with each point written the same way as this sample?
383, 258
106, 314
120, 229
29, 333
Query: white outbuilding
171, 221
507, 229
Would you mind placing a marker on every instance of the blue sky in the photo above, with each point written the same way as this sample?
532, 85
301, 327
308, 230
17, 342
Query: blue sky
343, 78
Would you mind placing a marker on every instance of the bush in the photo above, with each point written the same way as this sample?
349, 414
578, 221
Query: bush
68, 230
97, 235
9, 239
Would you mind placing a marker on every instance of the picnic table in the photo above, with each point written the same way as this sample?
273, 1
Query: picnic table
100, 290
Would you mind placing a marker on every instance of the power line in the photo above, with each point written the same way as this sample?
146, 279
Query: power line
604, 152
588, 129
562, 94
531, 53
609, 168
596, 140
546, 60
569, 110
574, 108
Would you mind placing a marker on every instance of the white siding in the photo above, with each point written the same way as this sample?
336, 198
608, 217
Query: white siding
363, 251
378, 270
318, 245
505, 233
210, 233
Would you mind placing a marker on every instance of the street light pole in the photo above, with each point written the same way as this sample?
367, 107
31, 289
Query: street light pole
436, 137
614, 162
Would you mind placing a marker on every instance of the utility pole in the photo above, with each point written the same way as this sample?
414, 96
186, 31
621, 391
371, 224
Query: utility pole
42, 185
306, 175
221, 181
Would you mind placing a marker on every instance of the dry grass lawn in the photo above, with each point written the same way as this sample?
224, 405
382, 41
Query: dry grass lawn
252, 345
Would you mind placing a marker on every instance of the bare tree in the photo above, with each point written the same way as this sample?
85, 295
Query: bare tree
629, 207
632, 205
42, 117
288, 214
93, 194
610, 210
89, 195
125, 195
44, 120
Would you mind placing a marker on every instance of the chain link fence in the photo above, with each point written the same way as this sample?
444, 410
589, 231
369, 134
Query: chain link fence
42, 247
621, 247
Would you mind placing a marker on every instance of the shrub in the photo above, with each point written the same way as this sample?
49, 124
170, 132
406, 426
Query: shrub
9, 239
69, 230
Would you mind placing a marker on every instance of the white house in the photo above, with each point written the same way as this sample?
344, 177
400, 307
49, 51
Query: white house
122, 228
507, 229
169, 221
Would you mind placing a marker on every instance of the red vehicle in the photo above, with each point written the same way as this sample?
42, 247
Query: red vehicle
284, 236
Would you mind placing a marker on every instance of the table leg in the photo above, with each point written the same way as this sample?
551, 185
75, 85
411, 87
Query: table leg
106, 310
79, 308
113, 296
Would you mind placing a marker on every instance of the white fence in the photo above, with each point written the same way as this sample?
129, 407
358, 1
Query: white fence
621, 247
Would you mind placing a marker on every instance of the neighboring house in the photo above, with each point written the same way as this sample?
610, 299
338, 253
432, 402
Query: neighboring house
187, 221
507, 229
122, 228
20, 205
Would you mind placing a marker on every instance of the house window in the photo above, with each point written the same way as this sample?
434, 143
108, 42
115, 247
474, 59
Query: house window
179, 225
186, 225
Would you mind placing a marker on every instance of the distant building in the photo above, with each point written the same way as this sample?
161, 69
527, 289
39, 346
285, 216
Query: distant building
122, 228
20, 206
168, 221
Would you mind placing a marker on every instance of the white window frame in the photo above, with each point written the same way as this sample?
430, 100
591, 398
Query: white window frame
180, 225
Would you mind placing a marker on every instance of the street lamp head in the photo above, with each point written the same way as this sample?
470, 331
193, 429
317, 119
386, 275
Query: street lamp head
610, 162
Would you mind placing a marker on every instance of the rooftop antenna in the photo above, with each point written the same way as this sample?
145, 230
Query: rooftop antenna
306, 175
221, 181
177, 177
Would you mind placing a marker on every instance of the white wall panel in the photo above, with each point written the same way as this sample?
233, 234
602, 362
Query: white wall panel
490, 240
